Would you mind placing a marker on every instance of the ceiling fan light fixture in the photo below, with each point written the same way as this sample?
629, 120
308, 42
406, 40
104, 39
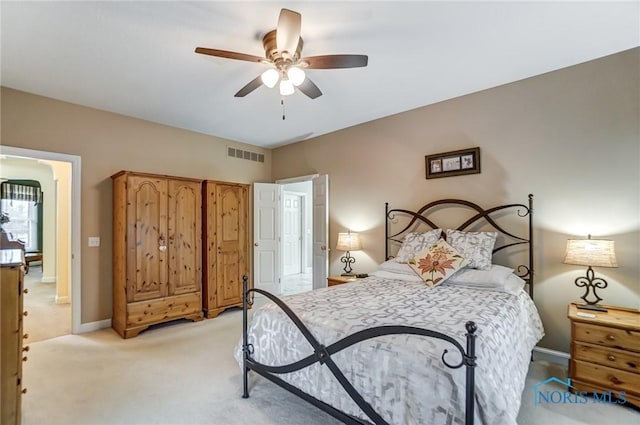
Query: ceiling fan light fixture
270, 77
286, 87
296, 75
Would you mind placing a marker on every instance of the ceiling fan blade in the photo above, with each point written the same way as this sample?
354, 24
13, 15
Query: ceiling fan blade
336, 61
309, 88
288, 31
253, 84
229, 55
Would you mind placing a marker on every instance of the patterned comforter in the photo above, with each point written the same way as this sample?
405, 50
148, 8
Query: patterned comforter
402, 376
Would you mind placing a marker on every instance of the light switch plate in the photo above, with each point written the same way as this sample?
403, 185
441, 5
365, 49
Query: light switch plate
94, 241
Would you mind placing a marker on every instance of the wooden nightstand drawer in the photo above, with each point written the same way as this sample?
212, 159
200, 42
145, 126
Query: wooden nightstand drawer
607, 336
606, 356
605, 351
339, 280
616, 379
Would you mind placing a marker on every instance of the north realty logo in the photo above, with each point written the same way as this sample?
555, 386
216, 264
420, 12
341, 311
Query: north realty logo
570, 395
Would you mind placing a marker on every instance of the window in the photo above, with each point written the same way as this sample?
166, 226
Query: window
23, 224
22, 201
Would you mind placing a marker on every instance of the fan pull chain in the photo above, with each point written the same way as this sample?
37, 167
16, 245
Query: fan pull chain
282, 103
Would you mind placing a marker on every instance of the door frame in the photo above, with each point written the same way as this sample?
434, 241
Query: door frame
76, 297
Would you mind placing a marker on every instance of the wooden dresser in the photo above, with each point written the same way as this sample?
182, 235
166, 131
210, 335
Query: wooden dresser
605, 352
11, 335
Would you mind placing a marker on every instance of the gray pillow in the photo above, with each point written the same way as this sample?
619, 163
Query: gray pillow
477, 247
414, 243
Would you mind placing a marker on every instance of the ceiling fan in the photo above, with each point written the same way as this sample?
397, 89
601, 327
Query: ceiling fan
283, 47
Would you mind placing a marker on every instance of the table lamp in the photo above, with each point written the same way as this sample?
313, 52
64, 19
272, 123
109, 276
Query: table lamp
591, 253
348, 242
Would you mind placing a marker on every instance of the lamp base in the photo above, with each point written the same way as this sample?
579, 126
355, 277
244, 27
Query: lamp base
592, 307
348, 274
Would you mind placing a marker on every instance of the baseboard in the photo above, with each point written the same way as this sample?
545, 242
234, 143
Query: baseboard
94, 326
552, 356
48, 279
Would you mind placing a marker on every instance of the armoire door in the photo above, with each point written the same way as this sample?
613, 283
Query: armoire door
146, 238
184, 236
231, 242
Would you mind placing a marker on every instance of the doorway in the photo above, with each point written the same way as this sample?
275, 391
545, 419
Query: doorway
54, 281
297, 228
290, 234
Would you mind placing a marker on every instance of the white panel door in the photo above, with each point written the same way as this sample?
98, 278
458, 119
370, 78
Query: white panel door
292, 234
320, 230
266, 237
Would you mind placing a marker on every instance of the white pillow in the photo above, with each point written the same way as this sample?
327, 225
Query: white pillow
392, 266
497, 278
414, 243
413, 277
494, 277
514, 284
477, 247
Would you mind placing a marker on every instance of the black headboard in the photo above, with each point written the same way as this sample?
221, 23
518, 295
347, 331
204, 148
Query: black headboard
487, 219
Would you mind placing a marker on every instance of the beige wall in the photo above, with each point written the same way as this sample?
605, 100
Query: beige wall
108, 143
570, 137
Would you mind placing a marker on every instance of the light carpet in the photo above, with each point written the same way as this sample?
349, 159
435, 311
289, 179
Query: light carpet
185, 373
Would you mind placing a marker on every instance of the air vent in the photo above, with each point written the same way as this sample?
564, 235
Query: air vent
243, 154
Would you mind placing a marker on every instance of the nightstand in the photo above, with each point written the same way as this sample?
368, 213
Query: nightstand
605, 352
339, 280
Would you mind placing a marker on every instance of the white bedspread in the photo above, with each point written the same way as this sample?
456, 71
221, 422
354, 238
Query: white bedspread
402, 376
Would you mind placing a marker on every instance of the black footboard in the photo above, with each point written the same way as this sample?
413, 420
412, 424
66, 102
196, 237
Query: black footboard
322, 354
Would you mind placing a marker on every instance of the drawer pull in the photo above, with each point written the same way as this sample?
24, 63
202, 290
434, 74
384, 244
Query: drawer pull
24, 359
25, 313
25, 336
24, 391
25, 348
26, 291
611, 357
611, 337
615, 380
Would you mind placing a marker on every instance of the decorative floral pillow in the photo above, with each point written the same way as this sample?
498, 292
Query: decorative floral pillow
437, 263
477, 247
415, 242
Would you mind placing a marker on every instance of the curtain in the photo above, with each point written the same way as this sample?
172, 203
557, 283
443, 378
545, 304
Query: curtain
20, 192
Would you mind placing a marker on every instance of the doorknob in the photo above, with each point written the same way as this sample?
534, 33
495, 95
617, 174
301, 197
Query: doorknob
256, 244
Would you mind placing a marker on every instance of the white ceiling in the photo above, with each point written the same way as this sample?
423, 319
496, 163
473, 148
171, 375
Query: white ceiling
137, 58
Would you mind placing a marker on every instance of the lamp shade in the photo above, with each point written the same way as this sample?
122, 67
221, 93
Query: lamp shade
349, 242
286, 87
270, 77
591, 252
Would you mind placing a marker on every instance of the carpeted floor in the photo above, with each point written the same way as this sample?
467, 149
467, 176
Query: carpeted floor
185, 373
45, 319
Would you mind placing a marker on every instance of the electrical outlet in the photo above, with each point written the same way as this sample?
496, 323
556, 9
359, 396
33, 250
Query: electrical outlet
94, 241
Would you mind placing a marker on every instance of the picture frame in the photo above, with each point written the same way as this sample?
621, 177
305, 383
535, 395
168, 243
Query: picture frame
454, 163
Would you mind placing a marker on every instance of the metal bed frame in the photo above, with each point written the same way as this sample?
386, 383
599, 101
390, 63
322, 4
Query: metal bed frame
482, 216
322, 354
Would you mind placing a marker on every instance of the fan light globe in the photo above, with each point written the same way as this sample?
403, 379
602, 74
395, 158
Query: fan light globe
270, 77
286, 87
296, 75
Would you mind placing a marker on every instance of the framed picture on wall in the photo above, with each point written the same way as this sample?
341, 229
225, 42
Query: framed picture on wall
454, 163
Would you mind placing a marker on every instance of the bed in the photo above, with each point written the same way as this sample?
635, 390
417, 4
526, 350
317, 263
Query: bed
392, 349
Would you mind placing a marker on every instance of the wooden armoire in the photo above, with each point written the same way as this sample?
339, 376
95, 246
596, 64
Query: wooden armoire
226, 245
157, 251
